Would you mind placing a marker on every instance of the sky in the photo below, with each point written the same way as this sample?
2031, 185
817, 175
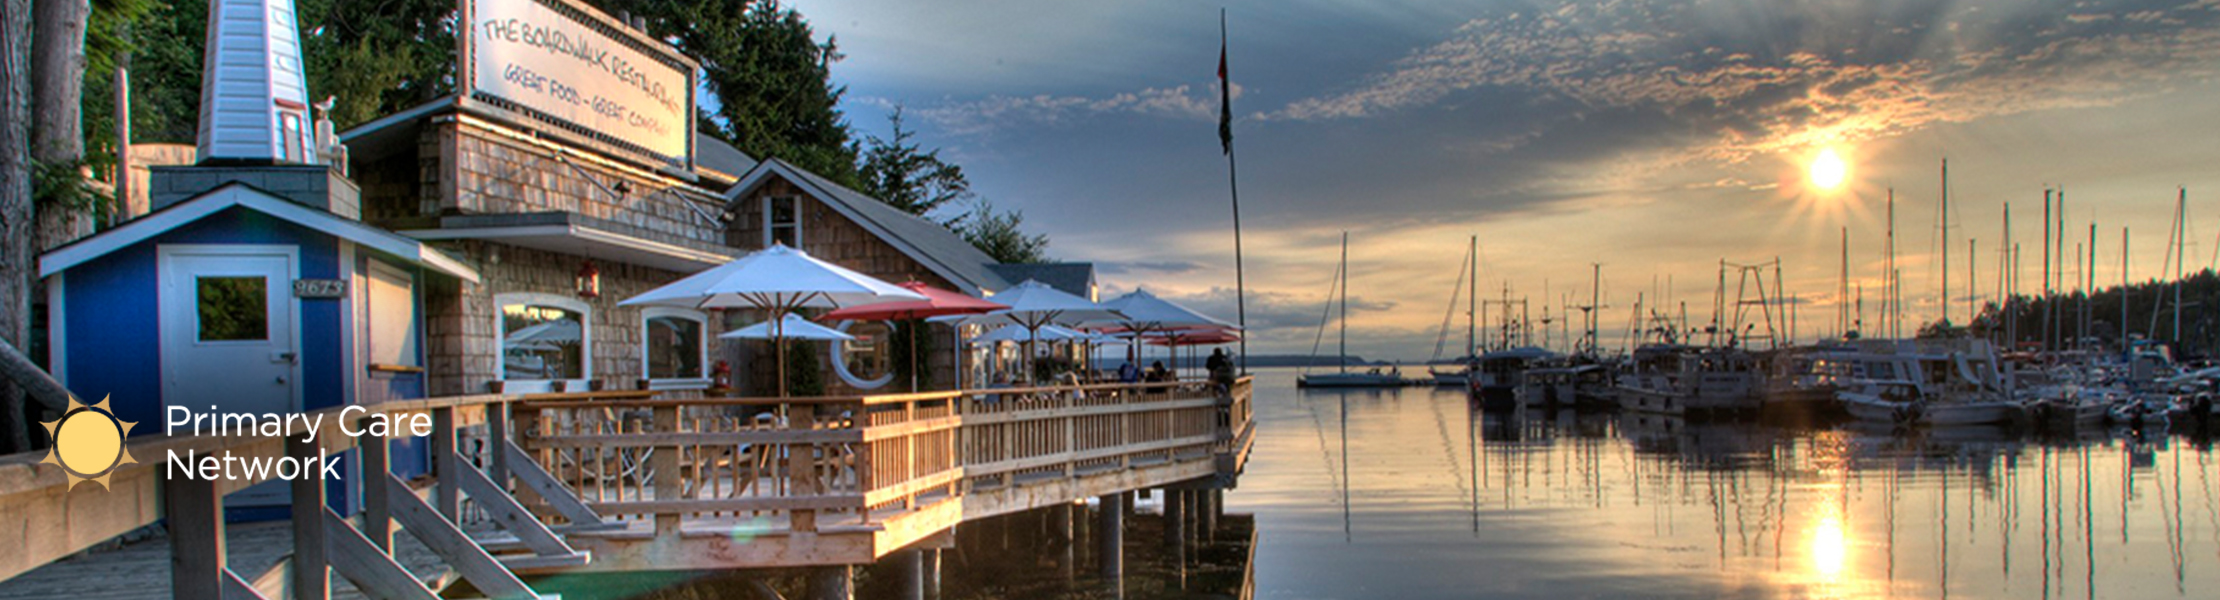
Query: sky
1656, 139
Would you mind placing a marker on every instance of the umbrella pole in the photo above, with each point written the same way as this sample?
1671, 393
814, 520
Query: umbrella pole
778, 339
915, 325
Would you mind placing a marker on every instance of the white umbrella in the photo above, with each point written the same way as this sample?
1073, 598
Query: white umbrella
1146, 314
1034, 305
777, 279
791, 326
1015, 333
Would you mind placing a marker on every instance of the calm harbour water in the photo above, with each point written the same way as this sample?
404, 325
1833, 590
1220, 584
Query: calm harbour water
1408, 494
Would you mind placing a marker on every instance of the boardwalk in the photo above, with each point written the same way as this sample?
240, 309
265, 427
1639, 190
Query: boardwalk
577, 484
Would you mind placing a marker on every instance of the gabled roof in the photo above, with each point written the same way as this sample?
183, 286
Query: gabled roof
938, 249
1077, 279
244, 196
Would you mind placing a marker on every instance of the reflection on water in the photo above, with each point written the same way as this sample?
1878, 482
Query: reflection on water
1406, 493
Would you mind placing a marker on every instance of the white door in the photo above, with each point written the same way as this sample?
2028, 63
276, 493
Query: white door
227, 328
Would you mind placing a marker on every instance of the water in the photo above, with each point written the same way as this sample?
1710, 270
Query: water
1408, 494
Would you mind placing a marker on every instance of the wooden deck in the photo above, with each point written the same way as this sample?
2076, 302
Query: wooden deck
583, 483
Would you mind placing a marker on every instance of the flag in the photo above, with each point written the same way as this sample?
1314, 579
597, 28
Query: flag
1225, 90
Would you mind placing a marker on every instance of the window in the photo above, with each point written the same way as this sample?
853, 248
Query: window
863, 362
233, 309
390, 316
672, 347
782, 221
543, 337
289, 132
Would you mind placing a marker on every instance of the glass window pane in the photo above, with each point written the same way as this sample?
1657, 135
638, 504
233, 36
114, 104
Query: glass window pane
866, 357
673, 348
391, 318
233, 308
541, 342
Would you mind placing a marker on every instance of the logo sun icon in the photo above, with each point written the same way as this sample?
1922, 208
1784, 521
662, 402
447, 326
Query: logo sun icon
88, 442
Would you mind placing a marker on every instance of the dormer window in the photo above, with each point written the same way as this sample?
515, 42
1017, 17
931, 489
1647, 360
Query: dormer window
782, 221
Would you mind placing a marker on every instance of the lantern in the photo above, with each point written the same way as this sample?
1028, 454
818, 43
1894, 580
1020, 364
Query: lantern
588, 282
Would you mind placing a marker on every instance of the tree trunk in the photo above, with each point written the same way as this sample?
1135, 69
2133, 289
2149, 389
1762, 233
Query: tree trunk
57, 107
16, 257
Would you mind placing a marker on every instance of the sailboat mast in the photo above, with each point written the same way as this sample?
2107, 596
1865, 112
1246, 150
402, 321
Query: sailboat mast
1945, 315
1842, 289
2046, 268
1888, 277
2181, 227
1341, 345
1472, 303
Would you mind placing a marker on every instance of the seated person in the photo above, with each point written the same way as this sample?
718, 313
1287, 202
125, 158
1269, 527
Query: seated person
1129, 373
1157, 372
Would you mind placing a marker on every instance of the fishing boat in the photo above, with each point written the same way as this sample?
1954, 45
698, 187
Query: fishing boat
1502, 372
1342, 377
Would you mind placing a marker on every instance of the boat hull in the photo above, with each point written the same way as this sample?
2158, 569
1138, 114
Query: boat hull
1867, 407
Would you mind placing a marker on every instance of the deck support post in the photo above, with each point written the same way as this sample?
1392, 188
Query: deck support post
932, 573
446, 498
195, 514
377, 513
1213, 503
1175, 523
831, 583
910, 581
497, 431
1112, 538
311, 573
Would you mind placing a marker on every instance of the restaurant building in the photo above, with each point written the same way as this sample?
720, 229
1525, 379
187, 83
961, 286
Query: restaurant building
479, 242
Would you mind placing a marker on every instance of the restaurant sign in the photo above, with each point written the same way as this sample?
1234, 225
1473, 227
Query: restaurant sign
563, 64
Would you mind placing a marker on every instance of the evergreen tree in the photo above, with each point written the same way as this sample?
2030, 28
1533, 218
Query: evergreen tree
905, 176
999, 235
770, 80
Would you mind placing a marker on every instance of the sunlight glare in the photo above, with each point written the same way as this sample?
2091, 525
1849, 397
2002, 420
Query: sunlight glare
1828, 547
1828, 171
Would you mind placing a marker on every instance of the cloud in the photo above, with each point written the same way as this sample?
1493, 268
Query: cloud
1843, 76
988, 114
1140, 267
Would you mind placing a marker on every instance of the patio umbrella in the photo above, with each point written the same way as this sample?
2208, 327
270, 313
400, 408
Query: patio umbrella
791, 326
1174, 339
1047, 333
938, 302
1144, 313
777, 279
1034, 305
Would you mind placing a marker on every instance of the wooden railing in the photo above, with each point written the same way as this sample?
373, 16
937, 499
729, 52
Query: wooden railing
849, 458
607, 461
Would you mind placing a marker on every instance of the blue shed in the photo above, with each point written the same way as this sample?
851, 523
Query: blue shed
239, 300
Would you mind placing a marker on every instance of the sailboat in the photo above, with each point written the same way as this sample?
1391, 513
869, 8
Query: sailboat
1342, 378
1461, 374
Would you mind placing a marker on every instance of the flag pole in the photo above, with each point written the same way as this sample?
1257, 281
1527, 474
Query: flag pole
1233, 183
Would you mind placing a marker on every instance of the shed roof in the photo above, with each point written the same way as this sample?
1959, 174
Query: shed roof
245, 196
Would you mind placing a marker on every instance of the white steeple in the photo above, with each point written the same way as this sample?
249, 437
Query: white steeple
254, 94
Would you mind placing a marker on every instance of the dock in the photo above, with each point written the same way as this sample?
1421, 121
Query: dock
524, 488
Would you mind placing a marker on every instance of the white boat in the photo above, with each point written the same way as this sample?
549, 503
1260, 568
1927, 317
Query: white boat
1342, 378
1677, 378
1938, 383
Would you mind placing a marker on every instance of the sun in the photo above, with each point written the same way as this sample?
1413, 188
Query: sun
88, 442
1828, 170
